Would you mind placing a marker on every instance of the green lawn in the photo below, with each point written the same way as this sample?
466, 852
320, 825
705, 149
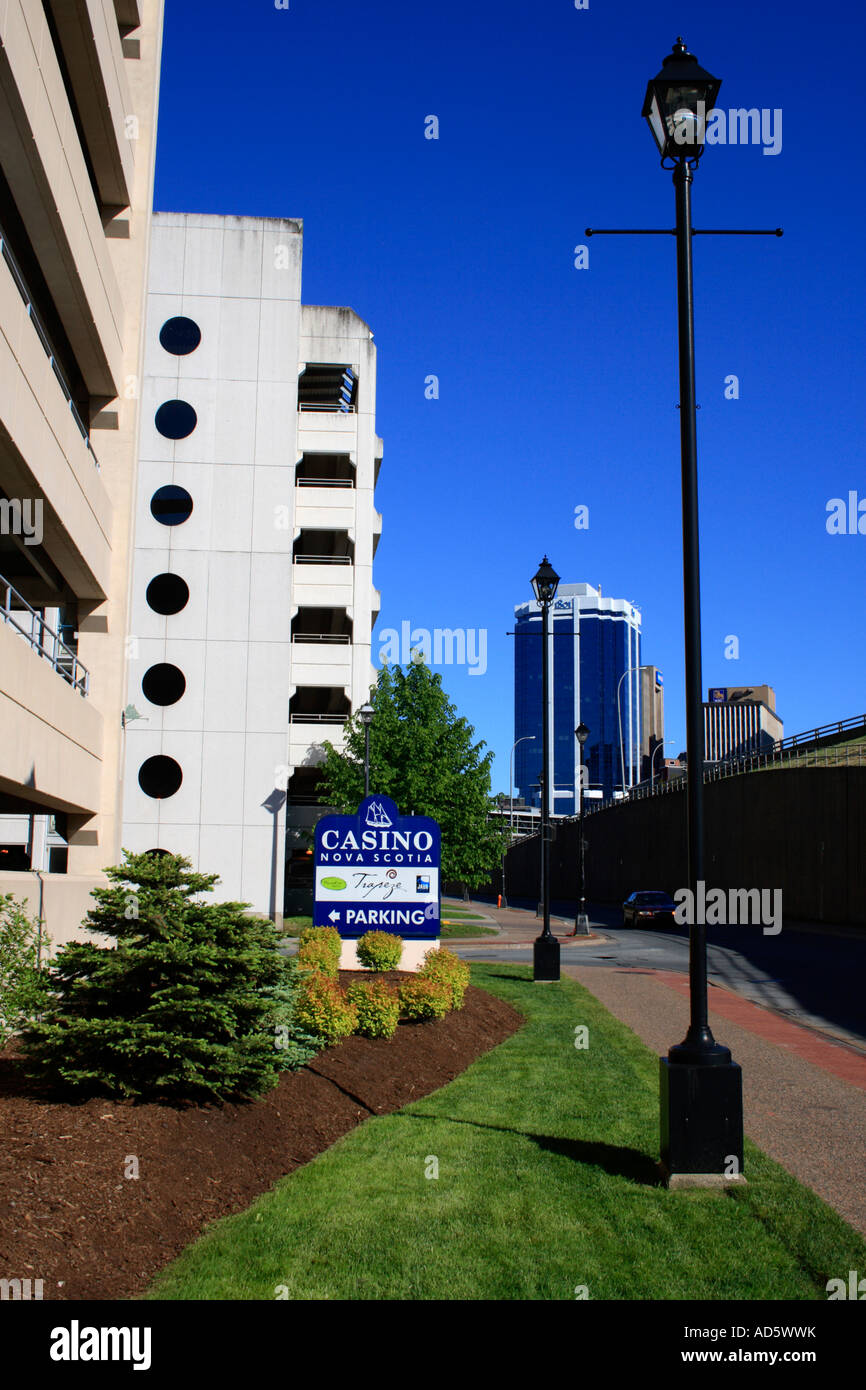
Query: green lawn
460, 922
293, 926
457, 931
546, 1183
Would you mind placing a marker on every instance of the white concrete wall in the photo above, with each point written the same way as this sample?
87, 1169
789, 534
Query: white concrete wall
229, 730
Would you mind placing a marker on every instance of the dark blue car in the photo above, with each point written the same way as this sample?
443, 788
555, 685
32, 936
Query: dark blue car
648, 908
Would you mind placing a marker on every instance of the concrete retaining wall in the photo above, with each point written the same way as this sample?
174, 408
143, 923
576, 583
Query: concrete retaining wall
801, 830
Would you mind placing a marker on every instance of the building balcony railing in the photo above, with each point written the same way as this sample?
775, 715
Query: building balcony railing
325, 482
24, 292
322, 560
327, 406
305, 718
42, 638
333, 638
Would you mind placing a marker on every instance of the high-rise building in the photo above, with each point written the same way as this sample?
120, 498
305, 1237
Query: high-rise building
739, 721
78, 94
253, 600
594, 655
652, 719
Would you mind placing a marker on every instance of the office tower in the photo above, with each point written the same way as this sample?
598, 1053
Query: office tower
739, 721
594, 655
652, 720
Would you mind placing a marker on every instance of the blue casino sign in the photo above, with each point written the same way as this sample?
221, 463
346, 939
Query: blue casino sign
378, 871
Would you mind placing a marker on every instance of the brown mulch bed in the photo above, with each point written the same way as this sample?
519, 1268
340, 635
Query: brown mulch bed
68, 1214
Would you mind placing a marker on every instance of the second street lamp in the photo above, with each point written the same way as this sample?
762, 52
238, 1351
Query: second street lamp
581, 926
546, 947
526, 738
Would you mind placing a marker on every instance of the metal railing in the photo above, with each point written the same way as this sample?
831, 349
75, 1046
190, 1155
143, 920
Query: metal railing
325, 482
43, 639
798, 750
858, 721
792, 756
322, 560
21, 286
301, 718
334, 407
333, 638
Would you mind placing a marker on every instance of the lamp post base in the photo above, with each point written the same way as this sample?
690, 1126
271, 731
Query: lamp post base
701, 1122
545, 959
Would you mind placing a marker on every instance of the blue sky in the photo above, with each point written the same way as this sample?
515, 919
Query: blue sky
558, 386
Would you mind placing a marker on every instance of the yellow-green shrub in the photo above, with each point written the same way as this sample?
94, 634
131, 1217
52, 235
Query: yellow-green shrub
317, 956
378, 1007
380, 950
449, 970
421, 998
323, 1009
325, 944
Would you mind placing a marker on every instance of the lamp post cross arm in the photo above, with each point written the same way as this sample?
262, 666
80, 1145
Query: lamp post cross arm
672, 231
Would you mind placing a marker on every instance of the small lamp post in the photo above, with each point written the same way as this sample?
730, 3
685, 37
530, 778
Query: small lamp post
664, 744
365, 714
701, 1087
581, 925
526, 738
546, 947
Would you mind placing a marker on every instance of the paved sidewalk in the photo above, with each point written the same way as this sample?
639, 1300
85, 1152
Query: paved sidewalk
516, 927
804, 1098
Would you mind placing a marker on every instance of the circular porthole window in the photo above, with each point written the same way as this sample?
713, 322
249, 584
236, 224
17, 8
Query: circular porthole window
167, 594
159, 777
175, 419
171, 504
180, 335
163, 684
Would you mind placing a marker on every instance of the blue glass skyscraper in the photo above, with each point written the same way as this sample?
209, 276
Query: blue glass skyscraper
594, 679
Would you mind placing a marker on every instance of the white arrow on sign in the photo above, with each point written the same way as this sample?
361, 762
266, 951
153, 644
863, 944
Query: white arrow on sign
334, 916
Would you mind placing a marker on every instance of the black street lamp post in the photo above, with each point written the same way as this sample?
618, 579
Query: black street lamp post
581, 926
701, 1087
365, 714
546, 946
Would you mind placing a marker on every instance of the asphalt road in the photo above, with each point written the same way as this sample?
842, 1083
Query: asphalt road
814, 977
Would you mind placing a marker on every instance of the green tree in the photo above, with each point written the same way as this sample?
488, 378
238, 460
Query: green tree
423, 756
194, 999
22, 983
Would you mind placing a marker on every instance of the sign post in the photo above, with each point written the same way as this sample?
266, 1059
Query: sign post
378, 871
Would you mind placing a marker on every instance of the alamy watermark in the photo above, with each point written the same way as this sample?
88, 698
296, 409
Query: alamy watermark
737, 126
444, 646
734, 907
22, 516
846, 518
855, 1287
20, 1290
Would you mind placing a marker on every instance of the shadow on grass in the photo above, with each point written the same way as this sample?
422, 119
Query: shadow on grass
504, 975
617, 1160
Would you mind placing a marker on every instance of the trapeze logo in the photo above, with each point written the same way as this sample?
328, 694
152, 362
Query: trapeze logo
77, 1343
377, 816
